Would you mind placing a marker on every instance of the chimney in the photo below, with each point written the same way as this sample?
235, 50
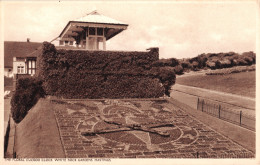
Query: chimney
28, 39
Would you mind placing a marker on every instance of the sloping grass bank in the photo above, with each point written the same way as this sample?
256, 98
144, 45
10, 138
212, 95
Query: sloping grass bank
37, 136
243, 83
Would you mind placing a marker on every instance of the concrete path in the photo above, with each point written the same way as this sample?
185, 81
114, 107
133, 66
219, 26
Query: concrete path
189, 95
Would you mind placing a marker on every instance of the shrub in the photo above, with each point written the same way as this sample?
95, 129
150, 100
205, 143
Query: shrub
211, 65
225, 63
166, 62
174, 62
218, 64
195, 65
212, 55
251, 55
241, 62
186, 65
202, 59
178, 69
28, 92
162, 63
230, 54
249, 60
167, 78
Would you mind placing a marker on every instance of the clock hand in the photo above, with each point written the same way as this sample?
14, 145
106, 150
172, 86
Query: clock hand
162, 125
105, 131
145, 129
150, 130
127, 127
155, 125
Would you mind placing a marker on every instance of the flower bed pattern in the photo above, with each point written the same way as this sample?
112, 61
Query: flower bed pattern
189, 137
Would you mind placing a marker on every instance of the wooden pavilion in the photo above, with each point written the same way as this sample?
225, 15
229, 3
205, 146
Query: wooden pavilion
91, 31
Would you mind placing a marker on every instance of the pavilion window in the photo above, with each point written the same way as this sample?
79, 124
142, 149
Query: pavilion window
71, 42
61, 42
100, 31
66, 42
31, 66
92, 31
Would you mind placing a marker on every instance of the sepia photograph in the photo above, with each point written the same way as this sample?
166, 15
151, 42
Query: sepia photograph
155, 82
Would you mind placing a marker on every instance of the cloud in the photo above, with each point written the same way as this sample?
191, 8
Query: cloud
178, 29
216, 37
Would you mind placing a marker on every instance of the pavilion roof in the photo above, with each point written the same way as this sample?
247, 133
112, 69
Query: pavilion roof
95, 17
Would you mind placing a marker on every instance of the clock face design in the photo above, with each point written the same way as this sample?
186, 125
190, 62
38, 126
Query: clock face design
137, 128
122, 124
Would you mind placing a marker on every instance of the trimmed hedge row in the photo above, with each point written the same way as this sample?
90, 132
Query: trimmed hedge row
28, 92
103, 74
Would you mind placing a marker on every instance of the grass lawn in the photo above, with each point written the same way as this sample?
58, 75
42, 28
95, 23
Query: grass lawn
243, 83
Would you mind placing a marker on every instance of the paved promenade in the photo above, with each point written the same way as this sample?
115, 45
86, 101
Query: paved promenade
189, 95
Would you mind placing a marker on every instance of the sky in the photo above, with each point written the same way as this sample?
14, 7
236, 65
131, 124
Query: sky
179, 29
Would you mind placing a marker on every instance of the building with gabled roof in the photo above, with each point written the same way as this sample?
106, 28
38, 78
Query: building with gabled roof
15, 55
90, 31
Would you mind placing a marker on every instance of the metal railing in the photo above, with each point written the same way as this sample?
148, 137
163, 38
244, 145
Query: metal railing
227, 114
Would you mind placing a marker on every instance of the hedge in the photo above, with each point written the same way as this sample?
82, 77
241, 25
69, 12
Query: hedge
218, 61
102, 74
28, 92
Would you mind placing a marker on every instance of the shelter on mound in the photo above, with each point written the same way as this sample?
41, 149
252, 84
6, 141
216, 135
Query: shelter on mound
90, 32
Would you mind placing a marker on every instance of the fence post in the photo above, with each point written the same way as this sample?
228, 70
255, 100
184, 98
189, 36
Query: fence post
219, 108
198, 103
240, 118
202, 105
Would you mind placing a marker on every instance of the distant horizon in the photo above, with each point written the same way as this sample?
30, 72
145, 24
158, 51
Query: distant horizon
159, 51
180, 30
